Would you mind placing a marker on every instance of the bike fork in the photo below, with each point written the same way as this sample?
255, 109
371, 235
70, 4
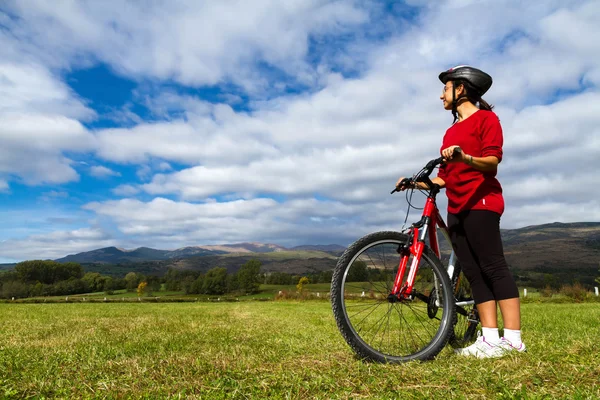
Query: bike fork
415, 248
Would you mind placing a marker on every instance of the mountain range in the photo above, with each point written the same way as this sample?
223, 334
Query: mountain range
563, 250
114, 255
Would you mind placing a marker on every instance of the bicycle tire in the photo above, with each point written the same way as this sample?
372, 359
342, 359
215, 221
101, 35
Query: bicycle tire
410, 345
467, 317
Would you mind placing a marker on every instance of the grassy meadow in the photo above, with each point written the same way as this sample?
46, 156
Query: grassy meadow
277, 349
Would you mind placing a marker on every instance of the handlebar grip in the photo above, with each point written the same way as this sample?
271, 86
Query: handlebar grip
403, 182
457, 150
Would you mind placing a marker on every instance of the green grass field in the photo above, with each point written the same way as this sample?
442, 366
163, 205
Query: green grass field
281, 349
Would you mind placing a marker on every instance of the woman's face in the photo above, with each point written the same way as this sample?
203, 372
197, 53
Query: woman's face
446, 96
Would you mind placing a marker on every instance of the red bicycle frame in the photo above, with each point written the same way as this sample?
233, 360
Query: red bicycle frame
418, 232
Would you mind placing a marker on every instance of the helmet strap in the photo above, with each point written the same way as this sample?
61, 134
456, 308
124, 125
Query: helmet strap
454, 101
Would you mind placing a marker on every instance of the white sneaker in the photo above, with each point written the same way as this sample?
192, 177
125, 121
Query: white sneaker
481, 349
508, 347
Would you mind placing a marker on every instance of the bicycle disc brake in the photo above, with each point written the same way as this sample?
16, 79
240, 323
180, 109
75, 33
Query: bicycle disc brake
432, 307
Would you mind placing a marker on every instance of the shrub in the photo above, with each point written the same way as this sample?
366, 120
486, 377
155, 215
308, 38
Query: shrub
576, 292
303, 281
304, 295
546, 292
141, 289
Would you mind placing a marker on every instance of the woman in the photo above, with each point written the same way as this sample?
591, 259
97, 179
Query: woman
475, 204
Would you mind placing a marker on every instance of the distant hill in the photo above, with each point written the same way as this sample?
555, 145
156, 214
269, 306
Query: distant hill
292, 262
563, 250
7, 267
331, 248
245, 248
114, 255
558, 249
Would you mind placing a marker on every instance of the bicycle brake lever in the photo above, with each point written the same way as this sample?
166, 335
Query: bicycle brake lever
403, 182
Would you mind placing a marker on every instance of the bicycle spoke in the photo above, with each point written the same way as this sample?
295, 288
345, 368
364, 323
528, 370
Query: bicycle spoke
364, 309
376, 323
387, 326
368, 315
406, 323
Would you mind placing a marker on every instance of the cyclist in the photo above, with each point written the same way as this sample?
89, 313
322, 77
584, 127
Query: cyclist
475, 204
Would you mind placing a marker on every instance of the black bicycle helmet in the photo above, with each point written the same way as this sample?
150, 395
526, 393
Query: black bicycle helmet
477, 78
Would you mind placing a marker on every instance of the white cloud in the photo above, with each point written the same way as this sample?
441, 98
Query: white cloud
53, 195
144, 172
326, 172
100, 171
55, 244
125, 190
194, 43
38, 123
164, 166
32, 88
544, 210
297, 221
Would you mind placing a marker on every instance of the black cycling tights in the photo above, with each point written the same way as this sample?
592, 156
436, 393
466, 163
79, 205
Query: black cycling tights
475, 236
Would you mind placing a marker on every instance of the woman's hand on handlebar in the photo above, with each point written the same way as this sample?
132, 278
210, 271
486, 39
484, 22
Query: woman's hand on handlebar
453, 154
404, 183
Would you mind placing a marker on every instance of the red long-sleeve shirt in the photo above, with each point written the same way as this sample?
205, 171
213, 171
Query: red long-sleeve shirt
467, 188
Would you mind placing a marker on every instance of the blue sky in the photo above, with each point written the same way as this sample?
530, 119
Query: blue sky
200, 122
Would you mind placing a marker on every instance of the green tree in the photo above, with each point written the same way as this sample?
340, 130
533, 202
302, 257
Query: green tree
141, 289
14, 289
189, 285
47, 271
70, 286
94, 281
215, 281
248, 276
132, 281
303, 281
196, 286
108, 285
279, 278
233, 283
358, 272
154, 283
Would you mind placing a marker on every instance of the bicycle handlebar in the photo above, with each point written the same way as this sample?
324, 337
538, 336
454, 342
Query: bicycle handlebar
423, 175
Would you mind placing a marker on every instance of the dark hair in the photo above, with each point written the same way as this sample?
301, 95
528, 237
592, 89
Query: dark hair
472, 94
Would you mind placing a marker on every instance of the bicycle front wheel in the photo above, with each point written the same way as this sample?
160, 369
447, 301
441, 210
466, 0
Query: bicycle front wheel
386, 329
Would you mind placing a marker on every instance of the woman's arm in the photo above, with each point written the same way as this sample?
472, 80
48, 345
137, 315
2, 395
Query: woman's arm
489, 163
437, 180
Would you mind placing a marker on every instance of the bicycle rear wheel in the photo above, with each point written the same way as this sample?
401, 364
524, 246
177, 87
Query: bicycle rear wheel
467, 317
384, 329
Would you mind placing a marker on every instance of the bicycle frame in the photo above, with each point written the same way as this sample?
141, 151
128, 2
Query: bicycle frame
428, 226
418, 232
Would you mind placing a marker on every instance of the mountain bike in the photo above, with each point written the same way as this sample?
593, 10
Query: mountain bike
393, 299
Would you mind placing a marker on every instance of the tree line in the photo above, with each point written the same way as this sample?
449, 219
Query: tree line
217, 280
50, 278
37, 278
